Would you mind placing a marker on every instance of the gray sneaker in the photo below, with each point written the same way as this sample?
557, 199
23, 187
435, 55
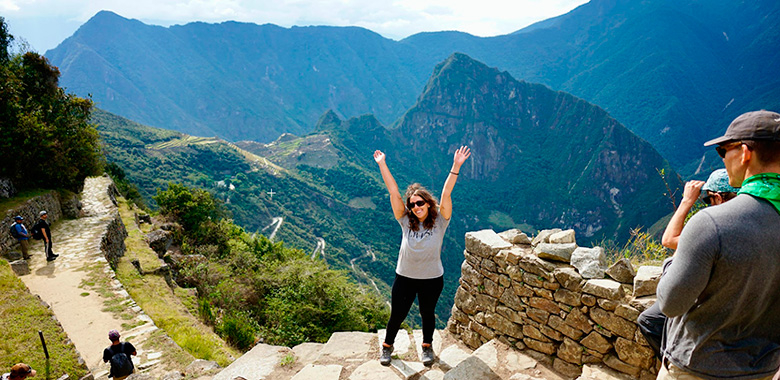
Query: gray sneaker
427, 356
387, 355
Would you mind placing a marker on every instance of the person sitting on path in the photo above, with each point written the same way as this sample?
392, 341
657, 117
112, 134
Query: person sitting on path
20, 233
722, 290
419, 272
119, 355
45, 230
651, 321
19, 371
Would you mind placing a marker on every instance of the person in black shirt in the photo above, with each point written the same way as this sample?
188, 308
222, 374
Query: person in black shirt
45, 229
119, 355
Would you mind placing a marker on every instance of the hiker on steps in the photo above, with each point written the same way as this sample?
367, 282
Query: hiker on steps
19, 371
419, 272
118, 353
43, 231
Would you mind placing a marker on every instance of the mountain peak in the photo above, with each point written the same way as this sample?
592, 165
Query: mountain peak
329, 120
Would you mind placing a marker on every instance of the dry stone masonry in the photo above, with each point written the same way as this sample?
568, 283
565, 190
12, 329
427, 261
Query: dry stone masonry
551, 296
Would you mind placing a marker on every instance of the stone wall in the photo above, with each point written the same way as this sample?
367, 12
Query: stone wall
29, 211
550, 296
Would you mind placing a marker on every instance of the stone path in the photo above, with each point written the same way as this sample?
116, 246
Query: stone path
354, 356
65, 284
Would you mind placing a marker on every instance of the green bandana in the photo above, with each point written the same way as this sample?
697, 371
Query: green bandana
765, 186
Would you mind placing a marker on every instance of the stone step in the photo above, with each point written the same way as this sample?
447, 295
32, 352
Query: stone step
319, 372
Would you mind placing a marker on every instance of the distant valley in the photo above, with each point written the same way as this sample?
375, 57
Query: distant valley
541, 159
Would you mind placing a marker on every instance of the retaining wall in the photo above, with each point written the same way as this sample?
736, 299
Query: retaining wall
508, 292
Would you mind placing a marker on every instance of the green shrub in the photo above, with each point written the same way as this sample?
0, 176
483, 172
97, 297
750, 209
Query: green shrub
238, 328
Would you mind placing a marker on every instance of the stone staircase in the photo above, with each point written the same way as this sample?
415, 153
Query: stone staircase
354, 356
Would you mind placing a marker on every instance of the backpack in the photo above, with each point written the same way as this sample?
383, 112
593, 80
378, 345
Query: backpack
37, 234
14, 232
121, 364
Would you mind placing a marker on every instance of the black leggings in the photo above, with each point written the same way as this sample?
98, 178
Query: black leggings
405, 289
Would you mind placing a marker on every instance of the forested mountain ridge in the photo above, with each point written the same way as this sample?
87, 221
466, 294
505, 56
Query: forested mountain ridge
541, 159
674, 73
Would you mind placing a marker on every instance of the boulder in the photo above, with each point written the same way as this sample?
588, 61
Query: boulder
563, 237
515, 236
646, 280
590, 262
485, 243
544, 236
7, 189
160, 241
558, 252
622, 271
604, 288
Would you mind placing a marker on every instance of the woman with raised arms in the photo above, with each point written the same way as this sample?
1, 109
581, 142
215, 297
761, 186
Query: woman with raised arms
419, 272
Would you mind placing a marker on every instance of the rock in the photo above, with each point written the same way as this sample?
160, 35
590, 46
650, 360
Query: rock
613, 323
616, 364
503, 325
643, 303
597, 372
568, 297
563, 237
517, 361
515, 236
544, 236
546, 348
200, 366
558, 252
570, 351
485, 243
560, 325
452, 356
256, 364
13, 255
622, 271
634, 353
627, 312
609, 305
597, 342
471, 368
590, 262
71, 207
608, 289
7, 189
346, 345
588, 300
372, 370
568, 369
646, 280
544, 304
140, 376
160, 241
569, 278
319, 372
307, 353
488, 353
578, 320
407, 369
20, 267
172, 375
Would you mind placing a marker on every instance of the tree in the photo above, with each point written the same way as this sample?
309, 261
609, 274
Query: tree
46, 140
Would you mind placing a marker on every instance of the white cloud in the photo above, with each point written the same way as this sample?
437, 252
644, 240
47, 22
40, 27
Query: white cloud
394, 19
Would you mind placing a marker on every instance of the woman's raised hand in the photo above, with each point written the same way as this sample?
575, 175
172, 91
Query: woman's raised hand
460, 155
379, 157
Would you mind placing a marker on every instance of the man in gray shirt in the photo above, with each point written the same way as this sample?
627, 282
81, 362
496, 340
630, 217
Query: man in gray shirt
722, 292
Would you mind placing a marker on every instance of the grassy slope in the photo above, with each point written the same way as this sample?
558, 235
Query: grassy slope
22, 315
170, 310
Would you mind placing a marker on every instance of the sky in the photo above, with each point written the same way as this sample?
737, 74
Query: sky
43, 24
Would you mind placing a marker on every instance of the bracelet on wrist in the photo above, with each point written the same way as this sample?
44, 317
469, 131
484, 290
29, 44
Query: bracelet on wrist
453, 173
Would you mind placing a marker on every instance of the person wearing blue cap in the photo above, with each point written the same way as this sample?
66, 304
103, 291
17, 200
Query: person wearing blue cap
722, 290
20, 233
716, 191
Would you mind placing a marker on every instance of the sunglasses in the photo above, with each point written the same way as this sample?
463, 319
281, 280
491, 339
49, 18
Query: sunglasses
418, 204
722, 149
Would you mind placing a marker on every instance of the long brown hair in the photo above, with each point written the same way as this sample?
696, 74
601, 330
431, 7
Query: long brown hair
433, 207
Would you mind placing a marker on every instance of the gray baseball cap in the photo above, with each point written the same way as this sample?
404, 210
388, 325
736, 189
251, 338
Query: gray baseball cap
755, 125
